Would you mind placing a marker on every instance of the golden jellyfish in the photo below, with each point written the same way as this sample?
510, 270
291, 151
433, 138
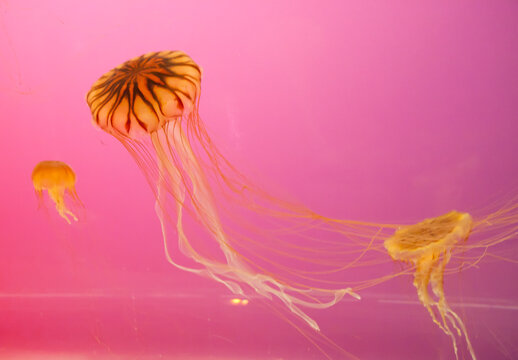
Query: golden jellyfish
58, 179
430, 245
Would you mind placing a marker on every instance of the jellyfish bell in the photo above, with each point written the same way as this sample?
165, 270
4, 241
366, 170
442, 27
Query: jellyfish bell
428, 246
58, 179
431, 237
145, 93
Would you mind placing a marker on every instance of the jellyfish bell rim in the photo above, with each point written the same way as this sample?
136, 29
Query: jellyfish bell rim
136, 133
460, 231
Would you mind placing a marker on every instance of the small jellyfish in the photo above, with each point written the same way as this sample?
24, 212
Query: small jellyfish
428, 246
58, 179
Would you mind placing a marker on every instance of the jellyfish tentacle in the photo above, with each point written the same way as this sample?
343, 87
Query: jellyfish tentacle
39, 195
460, 324
234, 267
444, 308
202, 197
57, 195
437, 283
421, 281
170, 177
166, 171
59, 208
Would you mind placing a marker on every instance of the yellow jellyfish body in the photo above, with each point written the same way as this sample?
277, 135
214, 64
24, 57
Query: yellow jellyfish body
58, 179
428, 246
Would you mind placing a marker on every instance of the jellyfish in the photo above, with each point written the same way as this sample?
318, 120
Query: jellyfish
431, 244
428, 246
58, 179
150, 104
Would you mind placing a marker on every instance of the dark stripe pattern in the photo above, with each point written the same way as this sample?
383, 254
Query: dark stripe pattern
144, 93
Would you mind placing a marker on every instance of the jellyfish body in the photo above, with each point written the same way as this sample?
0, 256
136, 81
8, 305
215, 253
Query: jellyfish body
58, 179
428, 246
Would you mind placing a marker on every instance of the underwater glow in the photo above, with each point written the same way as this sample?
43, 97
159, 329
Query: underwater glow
235, 301
238, 301
58, 179
235, 233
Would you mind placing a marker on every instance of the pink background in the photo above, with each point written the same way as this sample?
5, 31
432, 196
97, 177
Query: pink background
381, 111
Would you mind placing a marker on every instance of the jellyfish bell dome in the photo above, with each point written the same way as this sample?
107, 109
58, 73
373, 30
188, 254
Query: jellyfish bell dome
145, 93
58, 179
431, 236
51, 173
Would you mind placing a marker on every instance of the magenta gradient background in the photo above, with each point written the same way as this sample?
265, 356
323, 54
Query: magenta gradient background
382, 111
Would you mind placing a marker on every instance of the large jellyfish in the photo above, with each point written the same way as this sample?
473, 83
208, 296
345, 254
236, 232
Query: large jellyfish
150, 104
58, 179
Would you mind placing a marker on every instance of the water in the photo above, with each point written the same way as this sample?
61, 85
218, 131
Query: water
380, 112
